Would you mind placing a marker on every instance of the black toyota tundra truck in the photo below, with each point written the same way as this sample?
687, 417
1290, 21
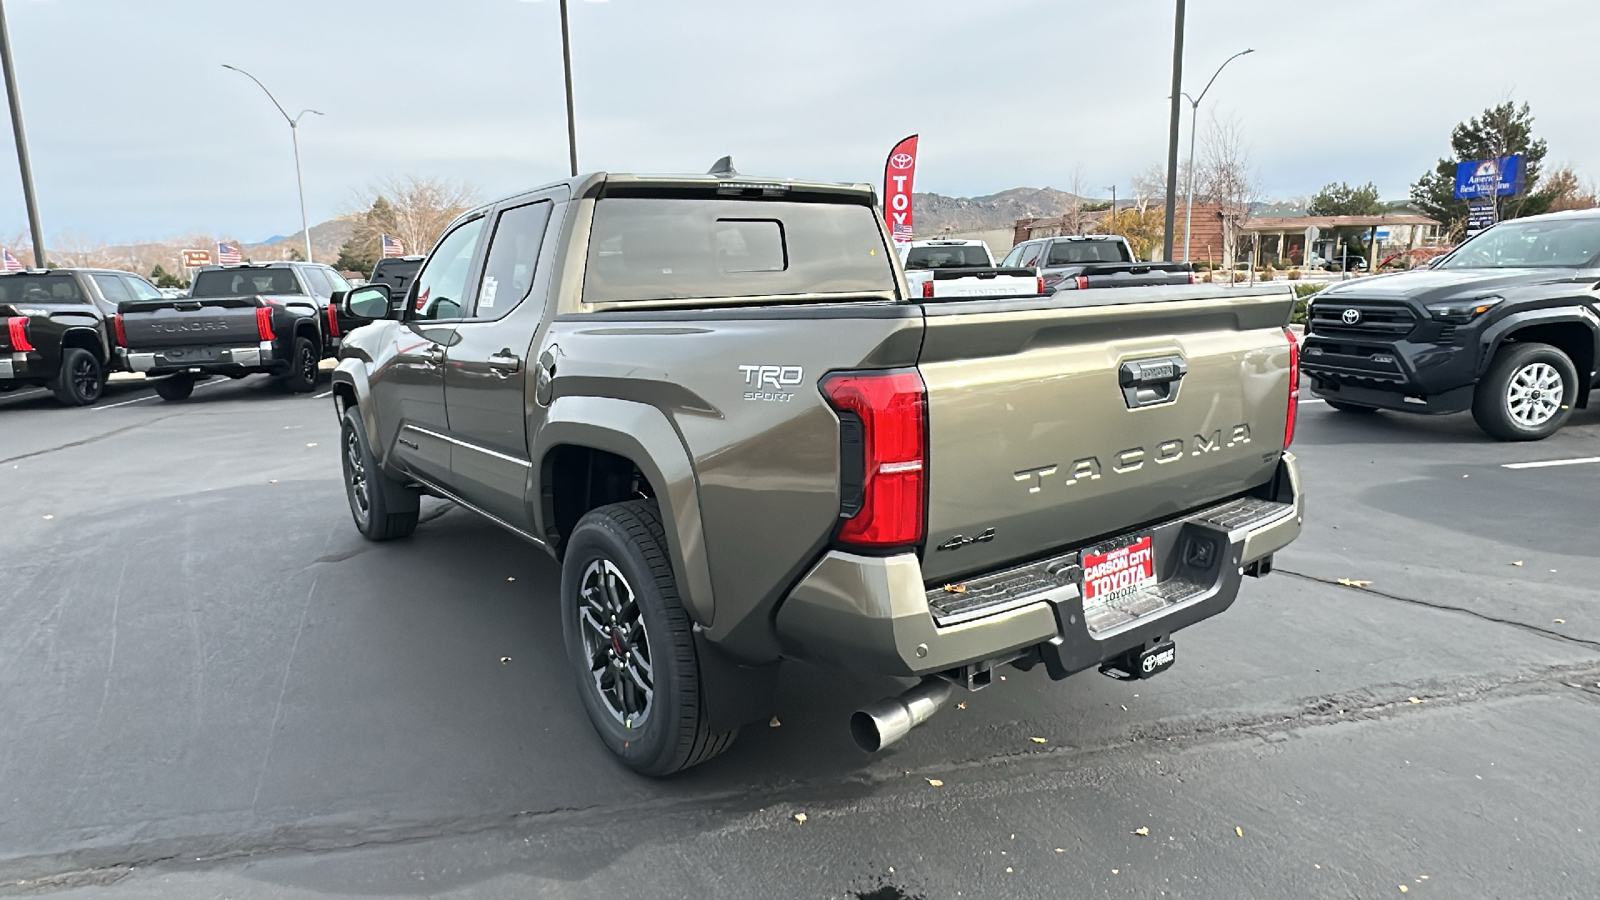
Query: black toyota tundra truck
272, 318
58, 329
1506, 325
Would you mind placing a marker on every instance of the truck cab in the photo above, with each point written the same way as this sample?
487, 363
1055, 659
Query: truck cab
59, 329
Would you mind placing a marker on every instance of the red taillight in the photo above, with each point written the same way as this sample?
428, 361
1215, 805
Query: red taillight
1294, 388
927, 288
18, 326
333, 321
122, 332
1083, 282
1194, 277
264, 323
893, 411
1040, 284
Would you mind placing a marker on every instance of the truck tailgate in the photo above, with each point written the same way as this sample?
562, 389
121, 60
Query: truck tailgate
151, 324
1056, 422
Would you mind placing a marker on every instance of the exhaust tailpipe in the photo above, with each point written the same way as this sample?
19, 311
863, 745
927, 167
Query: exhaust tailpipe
892, 718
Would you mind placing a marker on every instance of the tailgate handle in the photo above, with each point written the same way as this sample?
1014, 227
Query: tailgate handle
1151, 382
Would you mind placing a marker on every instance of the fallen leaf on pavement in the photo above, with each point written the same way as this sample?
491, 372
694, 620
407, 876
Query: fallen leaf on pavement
955, 589
272, 481
1403, 889
504, 660
961, 705
800, 817
49, 517
311, 445
1353, 582
1141, 831
936, 782
1059, 850
1238, 831
1413, 700
774, 723
1559, 621
511, 579
1516, 562
1038, 740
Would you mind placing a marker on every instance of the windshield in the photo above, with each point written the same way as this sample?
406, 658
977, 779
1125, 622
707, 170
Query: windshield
1069, 253
244, 283
948, 257
1569, 243
40, 289
668, 249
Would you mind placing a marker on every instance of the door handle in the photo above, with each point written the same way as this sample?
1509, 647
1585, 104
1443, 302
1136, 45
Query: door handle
506, 362
1151, 382
434, 355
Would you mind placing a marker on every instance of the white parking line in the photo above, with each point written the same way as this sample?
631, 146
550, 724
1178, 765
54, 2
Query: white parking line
153, 396
323, 394
1547, 463
1309, 401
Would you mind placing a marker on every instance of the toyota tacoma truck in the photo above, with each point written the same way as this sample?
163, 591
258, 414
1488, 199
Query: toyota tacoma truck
1507, 325
963, 268
272, 318
1087, 261
59, 329
716, 402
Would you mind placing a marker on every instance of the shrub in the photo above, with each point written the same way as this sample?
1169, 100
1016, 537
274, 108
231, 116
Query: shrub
1294, 275
1306, 290
1268, 274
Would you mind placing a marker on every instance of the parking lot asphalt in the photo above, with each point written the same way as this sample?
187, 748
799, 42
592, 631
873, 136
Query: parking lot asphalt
213, 687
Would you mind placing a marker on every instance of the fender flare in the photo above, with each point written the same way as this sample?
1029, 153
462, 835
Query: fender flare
644, 435
351, 374
1495, 335
95, 334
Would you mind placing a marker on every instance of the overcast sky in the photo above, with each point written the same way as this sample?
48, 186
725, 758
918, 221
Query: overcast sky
138, 133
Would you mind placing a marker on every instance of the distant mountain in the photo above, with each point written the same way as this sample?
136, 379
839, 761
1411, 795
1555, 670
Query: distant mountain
935, 213
326, 239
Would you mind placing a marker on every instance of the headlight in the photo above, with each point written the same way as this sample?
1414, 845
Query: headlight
1461, 311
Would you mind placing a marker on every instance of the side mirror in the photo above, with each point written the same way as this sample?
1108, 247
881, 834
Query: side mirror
370, 301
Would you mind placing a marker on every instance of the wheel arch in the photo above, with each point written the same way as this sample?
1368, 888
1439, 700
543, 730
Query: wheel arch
352, 389
581, 451
1574, 331
87, 339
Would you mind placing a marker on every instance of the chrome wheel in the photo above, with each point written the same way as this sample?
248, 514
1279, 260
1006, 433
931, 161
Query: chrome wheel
1534, 394
614, 643
356, 475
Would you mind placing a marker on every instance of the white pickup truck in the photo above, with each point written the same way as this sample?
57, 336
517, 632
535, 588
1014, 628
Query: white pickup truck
958, 268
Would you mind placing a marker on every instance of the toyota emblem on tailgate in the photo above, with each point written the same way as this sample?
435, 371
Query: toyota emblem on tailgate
1351, 316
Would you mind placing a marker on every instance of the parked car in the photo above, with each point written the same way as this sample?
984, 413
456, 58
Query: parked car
717, 403
59, 329
271, 318
1082, 262
963, 268
396, 272
1506, 325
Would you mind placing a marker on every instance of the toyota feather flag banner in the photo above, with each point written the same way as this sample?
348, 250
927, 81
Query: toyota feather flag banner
898, 172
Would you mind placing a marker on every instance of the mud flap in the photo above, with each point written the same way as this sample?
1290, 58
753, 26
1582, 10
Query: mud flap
734, 694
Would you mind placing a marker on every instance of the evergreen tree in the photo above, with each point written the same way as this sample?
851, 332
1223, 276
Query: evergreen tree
1343, 200
1500, 131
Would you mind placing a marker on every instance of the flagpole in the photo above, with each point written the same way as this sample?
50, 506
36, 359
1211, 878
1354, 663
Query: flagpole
15, 100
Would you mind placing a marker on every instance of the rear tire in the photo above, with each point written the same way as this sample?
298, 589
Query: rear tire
384, 509
175, 387
1343, 407
82, 379
302, 375
617, 591
1527, 393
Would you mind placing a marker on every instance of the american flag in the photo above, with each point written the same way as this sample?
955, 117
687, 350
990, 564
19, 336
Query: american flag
902, 233
392, 247
12, 264
228, 254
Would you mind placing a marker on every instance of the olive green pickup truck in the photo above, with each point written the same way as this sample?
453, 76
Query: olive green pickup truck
715, 401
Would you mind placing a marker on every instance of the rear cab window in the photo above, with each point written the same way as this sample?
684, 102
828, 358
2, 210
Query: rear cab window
946, 257
670, 248
245, 283
43, 288
1072, 253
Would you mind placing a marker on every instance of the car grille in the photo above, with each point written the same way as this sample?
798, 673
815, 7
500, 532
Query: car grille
1374, 319
1344, 363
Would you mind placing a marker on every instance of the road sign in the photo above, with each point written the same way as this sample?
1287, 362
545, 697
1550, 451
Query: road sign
194, 259
1480, 215
1488, 177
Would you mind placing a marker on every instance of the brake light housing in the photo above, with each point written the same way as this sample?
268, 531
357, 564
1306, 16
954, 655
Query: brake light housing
121, 330
18, 328
1039, 284
883, 444
1083, 282
927, 289
1294, 388
333, 321
264, 323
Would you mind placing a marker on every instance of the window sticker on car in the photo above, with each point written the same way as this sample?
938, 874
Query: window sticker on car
486, 294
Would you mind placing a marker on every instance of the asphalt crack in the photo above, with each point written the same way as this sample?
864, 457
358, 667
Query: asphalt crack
89, 440
1447, 607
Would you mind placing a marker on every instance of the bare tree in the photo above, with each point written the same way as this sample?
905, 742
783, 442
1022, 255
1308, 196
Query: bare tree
413, 208
1567, 190
1077, 219
1225, 175
1149, 188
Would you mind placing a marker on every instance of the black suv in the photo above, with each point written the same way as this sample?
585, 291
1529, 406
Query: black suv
1506, 325
56, 329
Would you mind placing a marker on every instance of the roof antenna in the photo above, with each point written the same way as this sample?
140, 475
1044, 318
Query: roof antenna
723, 168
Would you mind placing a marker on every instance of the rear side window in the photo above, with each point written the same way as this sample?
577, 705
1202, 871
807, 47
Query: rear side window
40, 289
142, 290
113, 289
320, 285
1030, 255
673, 249
513, 252
1071, 253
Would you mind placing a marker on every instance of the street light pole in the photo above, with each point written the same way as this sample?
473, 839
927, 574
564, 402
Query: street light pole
1172, 134
12, 95
294, 133
566, 62
1194, 124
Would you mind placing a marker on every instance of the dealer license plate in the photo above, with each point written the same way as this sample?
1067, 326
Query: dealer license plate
1115, 576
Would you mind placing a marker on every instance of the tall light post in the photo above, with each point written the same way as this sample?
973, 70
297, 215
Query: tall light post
566, 62
1194, 123
294, 132
1172, 134
12, 96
